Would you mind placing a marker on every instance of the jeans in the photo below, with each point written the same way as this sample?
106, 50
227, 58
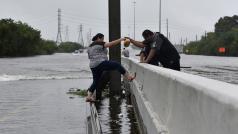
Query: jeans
104, 66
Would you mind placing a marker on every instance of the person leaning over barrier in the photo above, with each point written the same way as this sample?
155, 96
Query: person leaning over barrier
125, 52
157, 48
97, 54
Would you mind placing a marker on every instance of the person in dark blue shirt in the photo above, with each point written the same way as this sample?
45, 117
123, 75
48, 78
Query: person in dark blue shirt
156, 48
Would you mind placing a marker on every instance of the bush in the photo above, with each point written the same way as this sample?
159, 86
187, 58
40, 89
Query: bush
225, 35
69, 47
19, 39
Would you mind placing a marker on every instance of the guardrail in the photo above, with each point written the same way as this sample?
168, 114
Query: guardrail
93, 123
173, 102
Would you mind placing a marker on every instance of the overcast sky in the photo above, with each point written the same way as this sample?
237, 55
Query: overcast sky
186, 17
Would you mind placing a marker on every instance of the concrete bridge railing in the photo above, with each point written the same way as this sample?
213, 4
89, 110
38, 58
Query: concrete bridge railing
178, 103
93, 125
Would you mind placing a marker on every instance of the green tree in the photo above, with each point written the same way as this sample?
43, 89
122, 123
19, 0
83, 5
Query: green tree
47, 47
225, 35
69, 47
19, 39
226, 24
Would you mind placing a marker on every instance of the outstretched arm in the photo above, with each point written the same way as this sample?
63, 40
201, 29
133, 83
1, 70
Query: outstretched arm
142, 57
113, 43
151, 55
136, 43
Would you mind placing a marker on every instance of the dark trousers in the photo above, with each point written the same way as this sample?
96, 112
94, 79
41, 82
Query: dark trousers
154, 62
104, 66
175, 65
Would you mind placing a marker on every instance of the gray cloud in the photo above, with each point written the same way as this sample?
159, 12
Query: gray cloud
186, 17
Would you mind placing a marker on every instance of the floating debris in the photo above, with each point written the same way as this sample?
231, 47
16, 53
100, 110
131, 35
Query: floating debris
71, 97
76, 91
105, 92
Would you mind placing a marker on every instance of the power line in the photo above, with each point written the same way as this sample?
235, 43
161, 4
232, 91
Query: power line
39, 19
66, 33
85, 20
80, 16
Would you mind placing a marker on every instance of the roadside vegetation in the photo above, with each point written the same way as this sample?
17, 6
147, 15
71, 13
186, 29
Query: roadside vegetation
18, 39
222, 42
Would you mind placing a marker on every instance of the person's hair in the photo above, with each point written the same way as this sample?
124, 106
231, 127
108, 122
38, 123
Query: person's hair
99, 35
147, 33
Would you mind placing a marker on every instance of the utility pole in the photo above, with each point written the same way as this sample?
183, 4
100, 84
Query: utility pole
66, 33
169, 35
80, 36
205, 34
160, 16
196, 37
134, 3
59, 37
167, 23
115, 51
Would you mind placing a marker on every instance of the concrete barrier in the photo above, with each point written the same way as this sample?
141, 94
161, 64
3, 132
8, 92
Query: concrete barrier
174, 102
93, 125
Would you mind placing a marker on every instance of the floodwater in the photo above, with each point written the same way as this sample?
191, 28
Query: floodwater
41, 107
117, 116
214, 67
33, 95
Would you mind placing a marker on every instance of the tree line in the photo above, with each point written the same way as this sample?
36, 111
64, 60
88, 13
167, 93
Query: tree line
20, 39
222, 42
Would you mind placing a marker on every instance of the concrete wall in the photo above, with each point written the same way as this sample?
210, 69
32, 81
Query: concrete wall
178, 103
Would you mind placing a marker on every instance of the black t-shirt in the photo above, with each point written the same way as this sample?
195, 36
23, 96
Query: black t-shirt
166, 52
146, 51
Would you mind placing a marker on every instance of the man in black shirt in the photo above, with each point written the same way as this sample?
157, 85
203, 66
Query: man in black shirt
157, 48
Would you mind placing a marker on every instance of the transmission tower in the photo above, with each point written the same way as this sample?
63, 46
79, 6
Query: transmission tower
80, 37
66, 33
89, 37
59, 37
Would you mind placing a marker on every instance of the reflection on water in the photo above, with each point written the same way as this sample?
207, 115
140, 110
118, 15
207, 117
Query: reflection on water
221, 73
214, 67
117, 116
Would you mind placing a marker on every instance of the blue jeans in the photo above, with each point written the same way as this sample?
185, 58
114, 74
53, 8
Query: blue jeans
104, 66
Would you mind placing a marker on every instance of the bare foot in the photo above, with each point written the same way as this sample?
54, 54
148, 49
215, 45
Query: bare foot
130, 77
90, 97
